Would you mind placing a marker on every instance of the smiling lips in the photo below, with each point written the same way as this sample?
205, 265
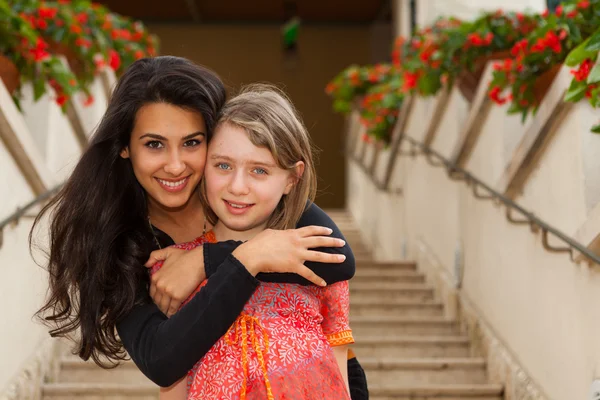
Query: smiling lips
237, 208
173, 186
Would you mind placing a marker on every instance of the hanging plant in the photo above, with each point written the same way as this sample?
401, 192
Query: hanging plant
379, 109
87, 34
22, 45
536, 59
353, 82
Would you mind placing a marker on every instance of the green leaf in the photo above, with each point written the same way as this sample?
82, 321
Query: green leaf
578, 54
593, 42
596, 128
513, 109
39, 88
575, 92
594, 75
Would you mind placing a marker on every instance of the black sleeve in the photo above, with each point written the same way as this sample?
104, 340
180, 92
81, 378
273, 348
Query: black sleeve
165, 349
215, 253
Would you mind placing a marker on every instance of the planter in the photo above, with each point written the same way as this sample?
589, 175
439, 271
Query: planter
543, 83
75, 63
9, 74
469, 80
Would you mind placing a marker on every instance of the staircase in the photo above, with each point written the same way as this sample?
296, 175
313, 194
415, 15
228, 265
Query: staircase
408, 348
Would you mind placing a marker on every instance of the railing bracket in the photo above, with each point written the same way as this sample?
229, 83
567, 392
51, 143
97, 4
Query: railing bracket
551, 248
481, 196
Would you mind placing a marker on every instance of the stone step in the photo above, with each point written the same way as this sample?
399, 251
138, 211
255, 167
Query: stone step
392, 326
390, 291
369, 275
396, 308
371, 266
73, 370
424, 371
437, 392
98, 391
412, 346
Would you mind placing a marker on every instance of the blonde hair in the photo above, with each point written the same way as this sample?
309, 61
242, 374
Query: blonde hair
271, 121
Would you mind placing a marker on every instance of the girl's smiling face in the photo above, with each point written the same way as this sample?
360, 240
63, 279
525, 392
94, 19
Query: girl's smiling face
167, 150
244, 184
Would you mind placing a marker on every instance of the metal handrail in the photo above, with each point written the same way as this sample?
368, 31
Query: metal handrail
457, 173
20, 212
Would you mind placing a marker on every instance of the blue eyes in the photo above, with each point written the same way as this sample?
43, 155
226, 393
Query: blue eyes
225, 167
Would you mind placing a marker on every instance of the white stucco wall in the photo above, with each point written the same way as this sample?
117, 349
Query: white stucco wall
50, 139
541, 305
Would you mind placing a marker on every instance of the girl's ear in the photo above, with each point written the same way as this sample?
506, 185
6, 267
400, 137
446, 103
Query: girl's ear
125, 152
295, 176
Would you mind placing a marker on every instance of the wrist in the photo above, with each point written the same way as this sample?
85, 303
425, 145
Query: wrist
200, 266
246, 255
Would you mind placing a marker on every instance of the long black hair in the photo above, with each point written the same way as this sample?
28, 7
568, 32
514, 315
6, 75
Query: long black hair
99, 230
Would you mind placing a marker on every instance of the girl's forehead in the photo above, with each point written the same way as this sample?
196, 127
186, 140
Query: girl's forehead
233, 143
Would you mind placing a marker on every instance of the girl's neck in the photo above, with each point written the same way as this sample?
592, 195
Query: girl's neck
182, 224
222, 232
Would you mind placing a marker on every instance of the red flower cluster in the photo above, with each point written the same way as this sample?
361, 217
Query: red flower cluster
475, 39
550, 41
114, 59
410, 80
581, 74
583, 4
495, 95
39, 52
509, 65
519, 49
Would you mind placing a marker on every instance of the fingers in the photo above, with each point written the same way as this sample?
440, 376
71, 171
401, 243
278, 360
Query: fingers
322, 241
313, 230
156, 256
164, 303
319, 256
153, 291
173, 307
310, 275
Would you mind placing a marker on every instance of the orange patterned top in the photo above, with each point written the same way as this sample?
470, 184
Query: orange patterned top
280, 347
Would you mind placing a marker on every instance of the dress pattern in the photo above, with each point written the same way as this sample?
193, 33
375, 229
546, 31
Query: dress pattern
280, 347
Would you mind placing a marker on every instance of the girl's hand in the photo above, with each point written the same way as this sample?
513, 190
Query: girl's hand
286, 251
180, 275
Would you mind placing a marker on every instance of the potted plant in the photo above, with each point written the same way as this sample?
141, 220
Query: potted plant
29, 52
536, 59
353, 82
379, 109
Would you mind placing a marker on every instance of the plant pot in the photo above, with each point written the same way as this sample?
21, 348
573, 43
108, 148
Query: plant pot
468, 80
75, 63
9, 74
543, 83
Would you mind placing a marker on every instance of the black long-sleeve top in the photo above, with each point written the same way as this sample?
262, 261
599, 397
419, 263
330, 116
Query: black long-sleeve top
165, 349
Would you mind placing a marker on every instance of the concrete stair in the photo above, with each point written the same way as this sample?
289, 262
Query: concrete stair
408, 347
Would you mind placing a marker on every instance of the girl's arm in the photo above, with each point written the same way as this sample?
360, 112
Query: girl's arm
176, 392
335, 309
331, 273
341, 356
165, 349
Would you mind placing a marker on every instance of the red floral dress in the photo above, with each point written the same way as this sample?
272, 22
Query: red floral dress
280, 347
